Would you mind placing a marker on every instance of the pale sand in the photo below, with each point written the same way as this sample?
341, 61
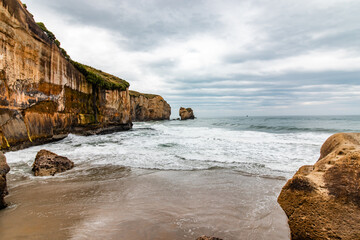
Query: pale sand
108, 202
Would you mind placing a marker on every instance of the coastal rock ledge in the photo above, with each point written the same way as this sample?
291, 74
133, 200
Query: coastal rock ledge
48, 164
186, 113
4, 169
322, 201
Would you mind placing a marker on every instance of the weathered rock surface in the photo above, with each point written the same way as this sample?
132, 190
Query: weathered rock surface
146, 107
4, 169
186, 113
322, 201
48, 164
43, 96
208, 238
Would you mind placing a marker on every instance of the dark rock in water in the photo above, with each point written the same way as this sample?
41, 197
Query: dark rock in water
322, 201
48, 164
186, 113
208, 238
4, 169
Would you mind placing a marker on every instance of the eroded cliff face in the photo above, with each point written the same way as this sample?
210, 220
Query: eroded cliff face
146, 107
322, 201
42, 95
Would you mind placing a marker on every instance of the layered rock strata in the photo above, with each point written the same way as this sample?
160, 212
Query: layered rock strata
4, 169
186, 113
322, 201
145, 107
42, 95
48, 164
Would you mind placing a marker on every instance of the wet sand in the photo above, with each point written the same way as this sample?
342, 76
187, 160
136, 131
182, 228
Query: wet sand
109, 202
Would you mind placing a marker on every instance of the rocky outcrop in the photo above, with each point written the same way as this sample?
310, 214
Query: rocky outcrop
146, 107
322, 201
48, 164
4, 169
43, 95
186, 113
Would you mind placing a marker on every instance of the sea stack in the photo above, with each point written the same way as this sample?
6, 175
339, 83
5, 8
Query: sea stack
186, 113
48, 164
322, 201
4, 169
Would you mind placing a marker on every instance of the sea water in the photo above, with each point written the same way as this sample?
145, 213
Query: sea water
170, 179
260, 146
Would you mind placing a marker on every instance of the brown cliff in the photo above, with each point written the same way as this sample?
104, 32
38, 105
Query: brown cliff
42, 95
322, 201
145, 107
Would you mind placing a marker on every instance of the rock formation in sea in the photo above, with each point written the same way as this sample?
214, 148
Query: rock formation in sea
145, 107
322, 201
186, 113
4, 169
44, 95
48, 164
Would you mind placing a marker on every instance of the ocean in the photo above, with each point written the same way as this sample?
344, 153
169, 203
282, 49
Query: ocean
168, 180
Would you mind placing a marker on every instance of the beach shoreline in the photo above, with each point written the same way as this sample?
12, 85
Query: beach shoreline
118, 203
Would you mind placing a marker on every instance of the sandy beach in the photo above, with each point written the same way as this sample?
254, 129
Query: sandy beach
107, 202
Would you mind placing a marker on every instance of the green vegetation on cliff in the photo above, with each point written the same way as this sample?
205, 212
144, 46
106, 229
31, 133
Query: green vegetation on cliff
137, 94
52, 37
48, 32
100, 78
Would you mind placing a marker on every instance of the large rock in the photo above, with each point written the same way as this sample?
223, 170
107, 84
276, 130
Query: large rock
48, 164
322, 201
4, 169
186, 113
147, 107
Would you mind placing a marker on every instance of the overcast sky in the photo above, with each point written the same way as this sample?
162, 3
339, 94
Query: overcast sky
220, 57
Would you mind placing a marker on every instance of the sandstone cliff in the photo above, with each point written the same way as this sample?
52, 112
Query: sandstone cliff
145, 107
42, 95
322, 201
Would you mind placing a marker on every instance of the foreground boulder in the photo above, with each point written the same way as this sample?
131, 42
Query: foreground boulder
322, 201
186, 113
48, 164
4, 169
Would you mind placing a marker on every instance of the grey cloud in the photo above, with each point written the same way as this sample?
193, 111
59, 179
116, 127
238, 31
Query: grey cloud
146, 24
291, 25
288, 28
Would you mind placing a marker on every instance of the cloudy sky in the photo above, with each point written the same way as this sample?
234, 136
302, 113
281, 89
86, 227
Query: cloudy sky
220, 57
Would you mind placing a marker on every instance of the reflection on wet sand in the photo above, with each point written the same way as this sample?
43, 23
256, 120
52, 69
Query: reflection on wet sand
109, 202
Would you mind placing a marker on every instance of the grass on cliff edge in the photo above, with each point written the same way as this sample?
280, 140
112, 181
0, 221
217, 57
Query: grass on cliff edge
52, 37
137, 94
100, 78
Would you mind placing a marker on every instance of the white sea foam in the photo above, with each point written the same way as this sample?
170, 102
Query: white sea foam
192, 145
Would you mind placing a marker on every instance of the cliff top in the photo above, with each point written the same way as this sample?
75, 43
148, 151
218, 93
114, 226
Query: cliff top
39, 31
100, 78
137, 94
